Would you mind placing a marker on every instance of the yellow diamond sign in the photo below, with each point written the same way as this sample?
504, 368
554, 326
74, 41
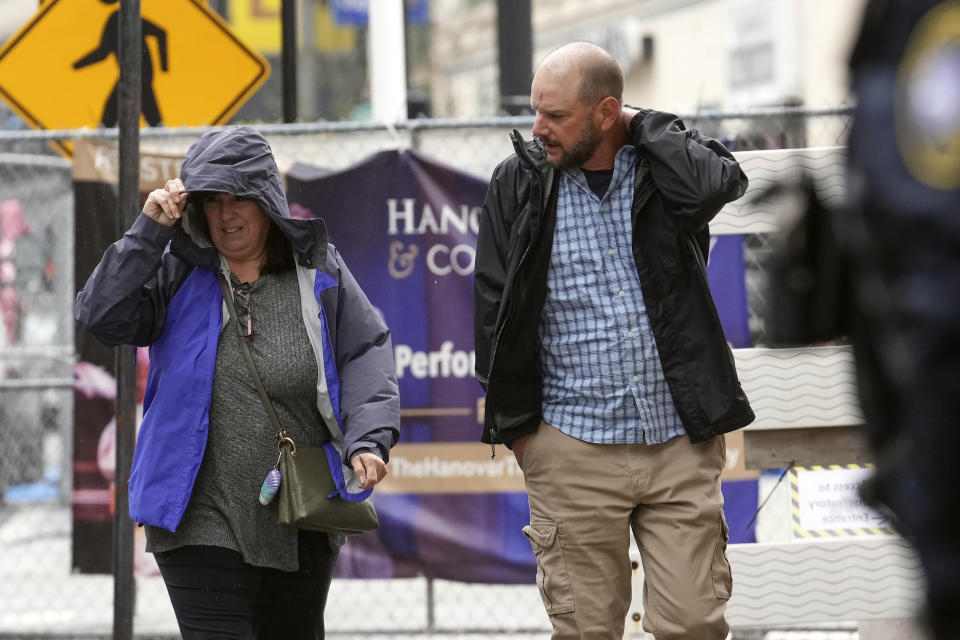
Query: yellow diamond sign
60, 71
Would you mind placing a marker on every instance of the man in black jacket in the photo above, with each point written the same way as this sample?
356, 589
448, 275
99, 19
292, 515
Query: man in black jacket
599, 347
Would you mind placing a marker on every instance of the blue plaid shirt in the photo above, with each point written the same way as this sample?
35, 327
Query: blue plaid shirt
603, 381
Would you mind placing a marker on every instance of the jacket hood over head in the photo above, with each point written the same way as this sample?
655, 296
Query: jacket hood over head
240, 162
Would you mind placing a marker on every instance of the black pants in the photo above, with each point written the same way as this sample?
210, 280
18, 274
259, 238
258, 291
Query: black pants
215, 594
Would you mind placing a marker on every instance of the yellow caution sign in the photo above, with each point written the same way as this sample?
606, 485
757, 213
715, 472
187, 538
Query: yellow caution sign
60, 70
826, 503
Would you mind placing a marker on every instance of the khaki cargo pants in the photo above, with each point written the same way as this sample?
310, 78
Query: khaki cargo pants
583, 499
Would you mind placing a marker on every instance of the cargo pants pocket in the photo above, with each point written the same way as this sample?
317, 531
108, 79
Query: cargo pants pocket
720, 566
553, 581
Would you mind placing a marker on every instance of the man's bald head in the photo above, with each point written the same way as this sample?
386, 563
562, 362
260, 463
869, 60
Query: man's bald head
576, 93
598, 74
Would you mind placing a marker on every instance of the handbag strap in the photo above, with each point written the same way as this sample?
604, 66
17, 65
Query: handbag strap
245, 350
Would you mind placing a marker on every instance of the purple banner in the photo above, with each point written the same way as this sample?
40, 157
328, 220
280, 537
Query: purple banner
725, 270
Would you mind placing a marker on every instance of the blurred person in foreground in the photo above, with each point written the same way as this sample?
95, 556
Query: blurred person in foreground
206, 442
602, 355
902, 227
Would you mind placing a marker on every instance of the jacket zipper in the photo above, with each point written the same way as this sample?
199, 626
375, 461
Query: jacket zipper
506, 320
526, 251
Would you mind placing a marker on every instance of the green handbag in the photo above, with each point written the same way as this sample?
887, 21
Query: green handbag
308, 495
309, 498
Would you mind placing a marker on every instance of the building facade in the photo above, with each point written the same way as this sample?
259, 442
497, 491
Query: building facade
679, 55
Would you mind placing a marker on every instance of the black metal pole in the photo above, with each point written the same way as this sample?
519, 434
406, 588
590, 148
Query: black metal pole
128, 204
220, 6
288, 19
515, 51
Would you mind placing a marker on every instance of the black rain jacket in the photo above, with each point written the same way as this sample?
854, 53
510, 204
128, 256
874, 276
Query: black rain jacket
682, 181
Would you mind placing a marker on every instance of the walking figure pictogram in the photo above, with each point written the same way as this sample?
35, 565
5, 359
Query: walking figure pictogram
109, 43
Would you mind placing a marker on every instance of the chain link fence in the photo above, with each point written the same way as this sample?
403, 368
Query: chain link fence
40, 594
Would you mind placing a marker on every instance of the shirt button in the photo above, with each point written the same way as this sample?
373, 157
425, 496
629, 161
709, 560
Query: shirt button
630, 334
622, 292
610, 251
636, 378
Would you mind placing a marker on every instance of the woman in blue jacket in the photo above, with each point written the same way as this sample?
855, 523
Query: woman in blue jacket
206, 443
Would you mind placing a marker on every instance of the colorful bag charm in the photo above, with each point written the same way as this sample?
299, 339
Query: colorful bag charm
270, 486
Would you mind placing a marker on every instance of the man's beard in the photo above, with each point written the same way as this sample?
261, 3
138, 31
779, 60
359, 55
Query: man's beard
583, 149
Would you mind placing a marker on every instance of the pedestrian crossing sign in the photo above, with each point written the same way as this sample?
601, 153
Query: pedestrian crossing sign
60, 70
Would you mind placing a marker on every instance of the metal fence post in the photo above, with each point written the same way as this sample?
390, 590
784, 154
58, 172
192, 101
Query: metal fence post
431, 607
128, 202
288, 29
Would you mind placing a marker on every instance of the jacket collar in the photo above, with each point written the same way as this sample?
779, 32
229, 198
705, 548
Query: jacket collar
531, 153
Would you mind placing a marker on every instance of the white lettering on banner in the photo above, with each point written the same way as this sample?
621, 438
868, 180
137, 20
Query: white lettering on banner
104, 160
445, 363
450, 220
458, 259
406, 217
434, 467
402, 258
154, 170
